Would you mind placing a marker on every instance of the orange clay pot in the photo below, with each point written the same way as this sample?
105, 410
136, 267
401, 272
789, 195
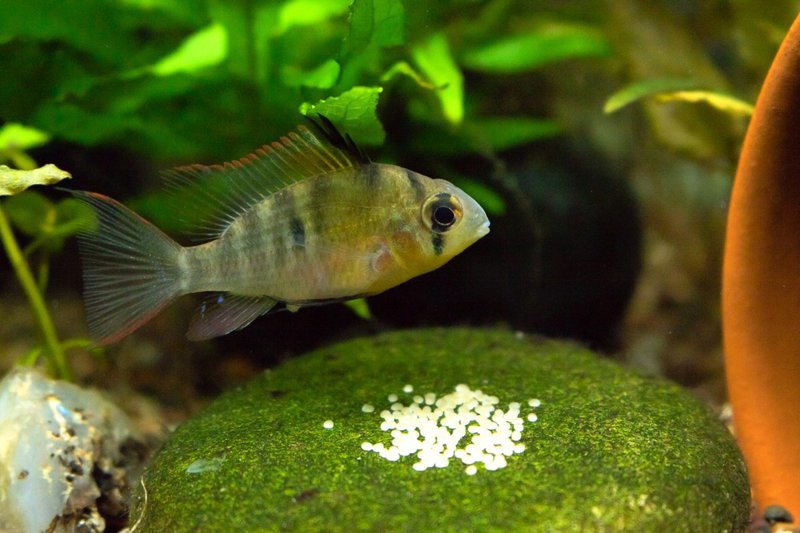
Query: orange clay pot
761, 287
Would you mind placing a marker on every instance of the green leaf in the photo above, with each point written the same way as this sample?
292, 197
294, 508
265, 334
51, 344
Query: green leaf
375, 23
641, 89
29, 212
360, 307
204, 48
15, 136
506, 132
354, 112
721, 101
434, 59
322, 77
308, 12
527, 51
14, 181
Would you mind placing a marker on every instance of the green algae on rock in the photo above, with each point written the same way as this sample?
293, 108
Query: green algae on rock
611, 450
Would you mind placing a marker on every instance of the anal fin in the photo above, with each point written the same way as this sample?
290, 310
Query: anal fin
221, 313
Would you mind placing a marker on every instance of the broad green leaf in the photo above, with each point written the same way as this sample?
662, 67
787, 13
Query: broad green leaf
641, 89
434, 59
402, 68
527, 51
14, 181
308, 12
29, 212
488, 199
375, 23
205, 48
322, 77
15, 136
506, 132
724, 102
360, 307
354, 112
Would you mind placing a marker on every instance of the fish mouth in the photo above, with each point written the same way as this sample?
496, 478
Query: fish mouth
483, 229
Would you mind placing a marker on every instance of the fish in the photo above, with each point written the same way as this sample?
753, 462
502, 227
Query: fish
305, 220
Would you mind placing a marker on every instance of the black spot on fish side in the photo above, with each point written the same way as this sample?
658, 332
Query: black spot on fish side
298, 231
416, 184
437, 239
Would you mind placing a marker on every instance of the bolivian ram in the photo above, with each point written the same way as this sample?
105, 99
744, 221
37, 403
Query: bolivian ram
304, 221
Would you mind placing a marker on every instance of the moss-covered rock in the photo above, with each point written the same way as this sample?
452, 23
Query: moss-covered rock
611, 450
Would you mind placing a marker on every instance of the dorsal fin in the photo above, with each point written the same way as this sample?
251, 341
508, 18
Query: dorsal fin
210, 197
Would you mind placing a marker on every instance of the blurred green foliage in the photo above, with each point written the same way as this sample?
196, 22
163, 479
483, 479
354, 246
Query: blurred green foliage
208, 80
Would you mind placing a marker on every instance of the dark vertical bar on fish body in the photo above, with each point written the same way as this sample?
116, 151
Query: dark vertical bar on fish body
298, 230
284, 214
315, 189
371, 176
416, 185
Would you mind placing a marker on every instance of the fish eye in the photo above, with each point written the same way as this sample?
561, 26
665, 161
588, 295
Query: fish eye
441, 212
444, 216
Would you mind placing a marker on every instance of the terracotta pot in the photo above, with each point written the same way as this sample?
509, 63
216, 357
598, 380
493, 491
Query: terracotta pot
761, 287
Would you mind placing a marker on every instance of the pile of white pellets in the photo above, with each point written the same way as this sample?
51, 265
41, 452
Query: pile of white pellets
465, 425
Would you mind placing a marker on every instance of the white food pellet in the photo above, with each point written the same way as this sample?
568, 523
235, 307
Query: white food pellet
328, 424
466, 425
366, 446
367, 408
534, 402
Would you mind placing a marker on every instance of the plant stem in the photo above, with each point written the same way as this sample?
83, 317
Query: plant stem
57, 359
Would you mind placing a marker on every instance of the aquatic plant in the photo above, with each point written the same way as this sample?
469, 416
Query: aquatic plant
243, 70
48, 224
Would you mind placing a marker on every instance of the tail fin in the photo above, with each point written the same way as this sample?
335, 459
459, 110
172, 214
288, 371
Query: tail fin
130, 269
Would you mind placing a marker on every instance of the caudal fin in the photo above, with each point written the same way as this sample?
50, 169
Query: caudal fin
130, 269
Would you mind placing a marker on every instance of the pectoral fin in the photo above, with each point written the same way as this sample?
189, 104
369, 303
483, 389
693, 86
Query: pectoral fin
221, 313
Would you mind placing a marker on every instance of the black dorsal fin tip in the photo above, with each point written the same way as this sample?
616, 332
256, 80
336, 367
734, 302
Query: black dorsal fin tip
331, 133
